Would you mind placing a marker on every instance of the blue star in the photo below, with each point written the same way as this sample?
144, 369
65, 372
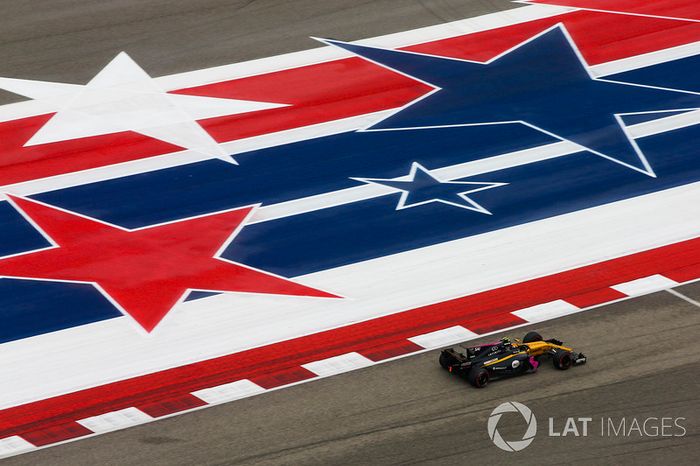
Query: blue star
423, 188
543, 83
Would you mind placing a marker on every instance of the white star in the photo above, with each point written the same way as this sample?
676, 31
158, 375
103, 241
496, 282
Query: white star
454, 193
123, 97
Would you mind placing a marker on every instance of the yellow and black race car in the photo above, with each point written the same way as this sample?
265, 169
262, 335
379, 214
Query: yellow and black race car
505, 358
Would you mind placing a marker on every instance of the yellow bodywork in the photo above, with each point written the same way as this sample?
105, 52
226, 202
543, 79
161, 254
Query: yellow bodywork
534, 349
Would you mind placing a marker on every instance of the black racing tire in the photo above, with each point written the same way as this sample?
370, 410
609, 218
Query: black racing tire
444, 361
531, 337
563, 360
478, 377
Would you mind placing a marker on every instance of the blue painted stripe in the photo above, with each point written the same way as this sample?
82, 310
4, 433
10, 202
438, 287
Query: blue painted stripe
364, 230
677, 74
285, 172
29, 308
313, 167
344, 234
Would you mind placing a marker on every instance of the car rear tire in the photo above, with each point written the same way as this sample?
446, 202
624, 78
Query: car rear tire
444, 361
531, 337
563, 360
478, 377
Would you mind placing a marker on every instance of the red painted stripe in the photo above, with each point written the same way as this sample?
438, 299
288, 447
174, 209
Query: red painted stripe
601, 37
684, 274
171, 405
56, 433
19, 163
390, 350
489, 307
674, 8
331, 91
485, 320
593, 298
283, 377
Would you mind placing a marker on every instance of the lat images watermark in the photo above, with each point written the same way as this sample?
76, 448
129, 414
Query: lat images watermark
510, 407
603, 426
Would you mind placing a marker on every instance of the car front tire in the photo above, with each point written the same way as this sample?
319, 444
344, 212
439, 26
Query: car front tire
563, 360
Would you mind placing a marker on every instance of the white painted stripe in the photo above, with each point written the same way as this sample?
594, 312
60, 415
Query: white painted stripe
115, 420
618, 12
111, 350
395, 40
14, 445
462, 170
319, 54
444, 337
648, 59
177, 159
645, 285
349, 124
338, 364
349, 195
546, 311
229, 392
680, 295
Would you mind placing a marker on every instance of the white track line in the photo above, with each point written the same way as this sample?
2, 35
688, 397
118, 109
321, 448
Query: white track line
615, 12
115, 420
338, 364
229, 392
320, 54
680, 295
15, 445
348, 195
645, 285
9, 112
546, 311
444, 337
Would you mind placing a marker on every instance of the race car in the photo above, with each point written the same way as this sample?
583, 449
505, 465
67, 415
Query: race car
506, 358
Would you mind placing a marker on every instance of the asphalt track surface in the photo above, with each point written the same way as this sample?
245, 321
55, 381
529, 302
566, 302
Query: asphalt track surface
67, 40
643, 352
642, 363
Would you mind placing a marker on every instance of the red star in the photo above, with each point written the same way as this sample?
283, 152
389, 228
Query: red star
147, 271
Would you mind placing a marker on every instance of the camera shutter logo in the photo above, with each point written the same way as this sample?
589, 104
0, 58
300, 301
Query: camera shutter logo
512, 407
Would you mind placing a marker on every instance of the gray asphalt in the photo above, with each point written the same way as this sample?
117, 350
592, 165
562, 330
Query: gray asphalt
644, 360
643, 363
69, 40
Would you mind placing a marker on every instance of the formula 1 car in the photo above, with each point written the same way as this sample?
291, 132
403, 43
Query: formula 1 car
506, 358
